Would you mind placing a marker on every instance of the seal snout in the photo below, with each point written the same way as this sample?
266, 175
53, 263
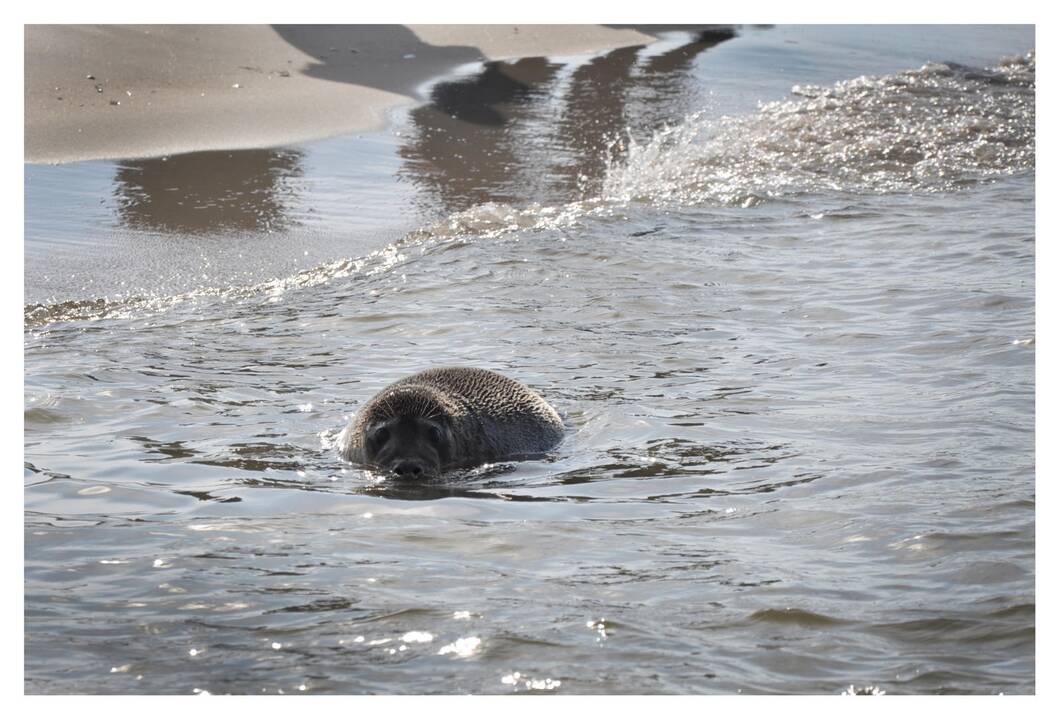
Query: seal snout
406, 446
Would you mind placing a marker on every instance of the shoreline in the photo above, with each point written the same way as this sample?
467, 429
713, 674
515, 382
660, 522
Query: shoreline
138, 91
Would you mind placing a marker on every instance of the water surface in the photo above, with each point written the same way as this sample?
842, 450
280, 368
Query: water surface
780, 287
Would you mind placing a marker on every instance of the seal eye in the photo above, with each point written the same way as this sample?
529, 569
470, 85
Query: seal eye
434, 433
379, 437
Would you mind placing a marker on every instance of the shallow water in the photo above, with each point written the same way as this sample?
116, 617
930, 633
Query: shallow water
794, 348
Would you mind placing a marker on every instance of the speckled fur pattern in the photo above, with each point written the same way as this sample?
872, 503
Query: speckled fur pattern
492, 417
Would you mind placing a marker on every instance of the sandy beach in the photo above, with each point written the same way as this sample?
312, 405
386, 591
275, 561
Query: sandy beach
123, 91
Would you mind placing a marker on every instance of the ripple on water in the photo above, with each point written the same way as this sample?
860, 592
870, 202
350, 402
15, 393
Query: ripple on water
800, 448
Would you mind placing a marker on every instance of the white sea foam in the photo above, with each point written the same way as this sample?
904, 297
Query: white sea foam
935, 128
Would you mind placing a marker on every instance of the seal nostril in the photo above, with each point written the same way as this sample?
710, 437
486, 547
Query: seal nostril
408, 469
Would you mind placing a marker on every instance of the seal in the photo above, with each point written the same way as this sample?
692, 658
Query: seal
447, 418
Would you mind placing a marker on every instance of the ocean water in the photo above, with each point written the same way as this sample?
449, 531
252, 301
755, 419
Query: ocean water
780, 287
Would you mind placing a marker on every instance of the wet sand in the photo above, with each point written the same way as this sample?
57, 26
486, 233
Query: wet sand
125, 91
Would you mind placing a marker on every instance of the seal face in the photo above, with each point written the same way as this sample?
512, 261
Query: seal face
447, 418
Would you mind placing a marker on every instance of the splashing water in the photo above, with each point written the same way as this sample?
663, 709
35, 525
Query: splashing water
937, 128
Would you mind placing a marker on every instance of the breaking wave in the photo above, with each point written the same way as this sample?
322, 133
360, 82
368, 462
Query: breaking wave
938, 128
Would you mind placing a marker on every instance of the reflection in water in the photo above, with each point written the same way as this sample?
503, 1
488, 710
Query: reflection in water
468, 138
480, 98
619, 93
208, 192
478, 138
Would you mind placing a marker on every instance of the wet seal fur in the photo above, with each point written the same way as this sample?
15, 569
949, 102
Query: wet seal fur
447, 418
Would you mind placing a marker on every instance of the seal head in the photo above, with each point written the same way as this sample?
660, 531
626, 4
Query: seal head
447, 418
407, 433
